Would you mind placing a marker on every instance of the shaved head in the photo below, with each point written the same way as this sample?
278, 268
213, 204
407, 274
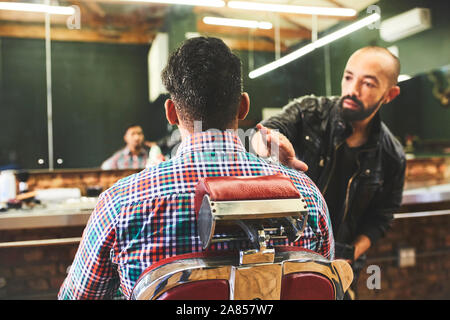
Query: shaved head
390, 63
369, 81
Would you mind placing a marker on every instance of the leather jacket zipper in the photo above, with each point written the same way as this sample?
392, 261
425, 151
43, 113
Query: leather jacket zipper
347, 196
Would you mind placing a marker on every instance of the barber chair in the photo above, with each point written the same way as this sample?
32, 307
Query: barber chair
249, 212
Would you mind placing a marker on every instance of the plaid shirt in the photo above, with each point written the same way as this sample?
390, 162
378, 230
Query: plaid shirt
124, 159
149, 216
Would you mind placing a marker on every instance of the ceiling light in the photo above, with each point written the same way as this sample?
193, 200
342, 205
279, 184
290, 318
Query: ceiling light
271, 7
282, 61
33, 7
237, 23
313, 45
347, 30
199, 3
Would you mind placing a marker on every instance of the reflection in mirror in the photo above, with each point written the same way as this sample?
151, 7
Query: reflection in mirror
100, 74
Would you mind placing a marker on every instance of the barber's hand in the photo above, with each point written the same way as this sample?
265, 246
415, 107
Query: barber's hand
266, 138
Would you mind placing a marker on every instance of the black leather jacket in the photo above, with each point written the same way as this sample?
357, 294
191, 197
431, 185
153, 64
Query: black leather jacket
315, 128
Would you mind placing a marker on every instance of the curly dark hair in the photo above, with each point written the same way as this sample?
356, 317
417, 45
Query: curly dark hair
203, 78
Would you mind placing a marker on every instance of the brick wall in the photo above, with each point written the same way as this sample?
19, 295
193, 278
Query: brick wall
81, 179
35, 272
429, 278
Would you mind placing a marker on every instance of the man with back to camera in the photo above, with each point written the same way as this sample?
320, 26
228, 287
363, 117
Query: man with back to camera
150, 215
351, 155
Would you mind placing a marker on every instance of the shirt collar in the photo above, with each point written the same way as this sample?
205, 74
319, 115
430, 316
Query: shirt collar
211, 140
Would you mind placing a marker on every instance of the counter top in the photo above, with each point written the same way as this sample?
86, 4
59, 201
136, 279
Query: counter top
423, 201
431, 199
74, 213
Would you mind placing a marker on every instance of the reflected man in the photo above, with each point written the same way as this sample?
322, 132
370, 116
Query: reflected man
134, 155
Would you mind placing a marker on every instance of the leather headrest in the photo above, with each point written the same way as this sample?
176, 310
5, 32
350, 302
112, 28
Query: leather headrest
245, 188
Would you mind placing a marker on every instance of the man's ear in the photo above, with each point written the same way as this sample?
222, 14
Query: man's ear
171, 113
392, 93
244, 106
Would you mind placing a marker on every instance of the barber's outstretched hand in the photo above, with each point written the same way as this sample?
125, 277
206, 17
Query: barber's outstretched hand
266, 139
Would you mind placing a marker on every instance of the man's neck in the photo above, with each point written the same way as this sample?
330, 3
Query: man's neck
186, 131
360, 135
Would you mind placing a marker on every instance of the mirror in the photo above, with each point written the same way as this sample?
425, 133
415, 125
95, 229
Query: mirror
420, 115
100, 75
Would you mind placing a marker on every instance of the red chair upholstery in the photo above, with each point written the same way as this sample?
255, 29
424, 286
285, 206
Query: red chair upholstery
306, 286
199, 290
302, 275
281, 272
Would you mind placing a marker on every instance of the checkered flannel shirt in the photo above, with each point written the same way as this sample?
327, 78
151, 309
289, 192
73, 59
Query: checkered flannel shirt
149, 216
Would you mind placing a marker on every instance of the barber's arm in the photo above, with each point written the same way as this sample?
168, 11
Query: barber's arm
378, 220
276, 135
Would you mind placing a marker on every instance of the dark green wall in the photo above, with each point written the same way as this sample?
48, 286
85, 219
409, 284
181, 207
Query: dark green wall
97, 90
23, 114
271, 90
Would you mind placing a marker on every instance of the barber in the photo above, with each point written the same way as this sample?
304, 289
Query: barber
347, 150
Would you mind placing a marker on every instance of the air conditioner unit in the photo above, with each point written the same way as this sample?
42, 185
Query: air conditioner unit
405, 24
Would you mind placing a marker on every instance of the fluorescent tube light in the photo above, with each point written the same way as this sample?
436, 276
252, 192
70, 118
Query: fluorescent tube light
199, 3
347, 30
272, 7
316, 44
33, 7
282, 61
237, 23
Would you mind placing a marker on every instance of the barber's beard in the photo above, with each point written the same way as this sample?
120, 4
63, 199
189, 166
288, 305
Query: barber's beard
360, 113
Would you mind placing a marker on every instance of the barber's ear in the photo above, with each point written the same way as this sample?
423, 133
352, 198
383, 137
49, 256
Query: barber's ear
392, 93
244, 106
171, 113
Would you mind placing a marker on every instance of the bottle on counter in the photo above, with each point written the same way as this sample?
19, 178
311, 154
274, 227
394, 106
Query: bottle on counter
7, 185
22, 176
